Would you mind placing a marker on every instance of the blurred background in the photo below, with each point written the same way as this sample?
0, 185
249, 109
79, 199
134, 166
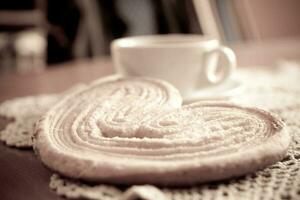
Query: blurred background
36, 34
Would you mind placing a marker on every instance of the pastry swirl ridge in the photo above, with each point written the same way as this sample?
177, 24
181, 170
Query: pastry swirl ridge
135, 130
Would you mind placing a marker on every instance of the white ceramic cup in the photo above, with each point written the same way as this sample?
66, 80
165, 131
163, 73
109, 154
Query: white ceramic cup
189, 62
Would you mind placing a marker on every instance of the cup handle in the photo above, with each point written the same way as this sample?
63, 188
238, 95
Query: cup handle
213, 73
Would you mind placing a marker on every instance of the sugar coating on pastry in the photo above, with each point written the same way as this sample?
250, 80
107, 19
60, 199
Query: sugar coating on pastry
135, 131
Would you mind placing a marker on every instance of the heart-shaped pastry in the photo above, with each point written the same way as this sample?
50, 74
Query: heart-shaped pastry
134, 131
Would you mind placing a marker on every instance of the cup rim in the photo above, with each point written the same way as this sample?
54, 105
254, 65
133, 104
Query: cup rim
164, 41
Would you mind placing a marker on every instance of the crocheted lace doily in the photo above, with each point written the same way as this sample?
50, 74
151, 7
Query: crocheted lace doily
20, 115
275, 90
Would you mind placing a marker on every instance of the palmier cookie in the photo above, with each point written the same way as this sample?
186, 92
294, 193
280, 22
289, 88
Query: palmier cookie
134, 131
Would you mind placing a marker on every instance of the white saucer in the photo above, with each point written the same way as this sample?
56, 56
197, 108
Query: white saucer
220, 92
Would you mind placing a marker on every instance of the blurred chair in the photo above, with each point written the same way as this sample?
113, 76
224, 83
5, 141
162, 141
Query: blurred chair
28, 46
90, 30
27, 18
91, 37
103, 21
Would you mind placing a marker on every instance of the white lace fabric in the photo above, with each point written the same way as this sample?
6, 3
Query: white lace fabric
275, 90
23, 113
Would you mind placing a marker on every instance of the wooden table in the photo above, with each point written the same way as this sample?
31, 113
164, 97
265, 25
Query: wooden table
22, 175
